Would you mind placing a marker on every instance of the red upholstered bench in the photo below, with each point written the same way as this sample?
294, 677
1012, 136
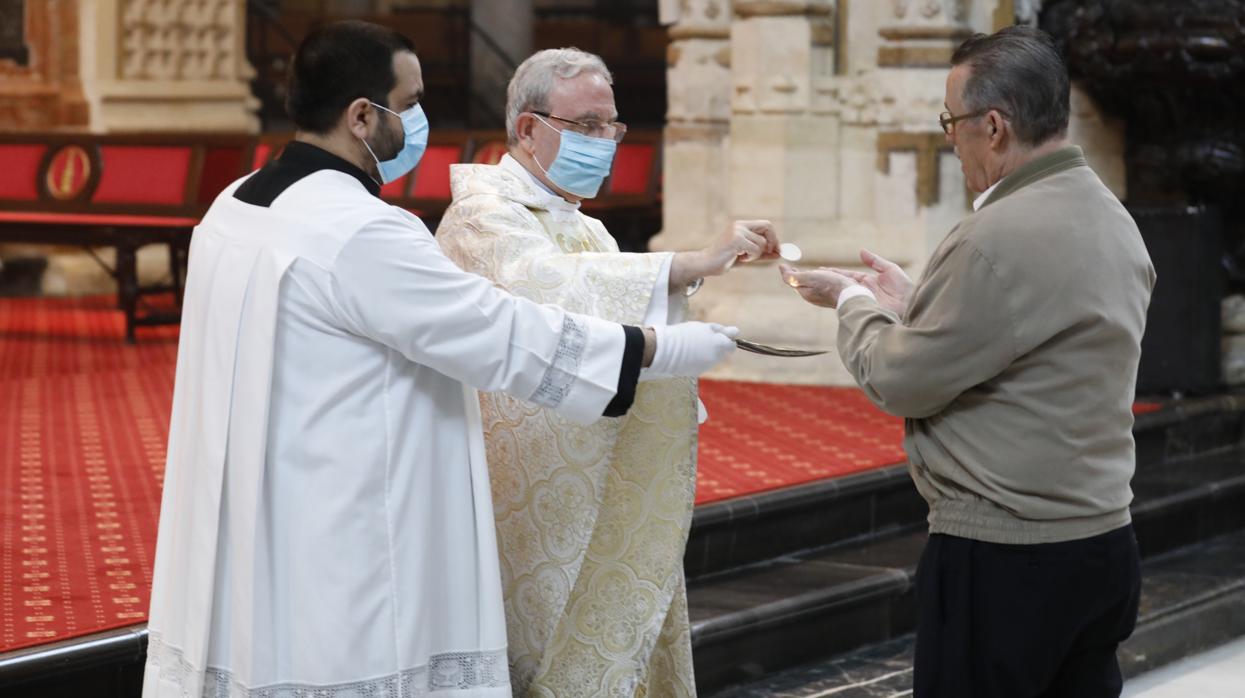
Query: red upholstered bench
117, 191
632, 190
129, 191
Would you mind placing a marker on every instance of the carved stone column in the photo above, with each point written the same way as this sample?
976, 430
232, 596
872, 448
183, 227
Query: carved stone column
782, 163
698, 86
833, 134
160, 65
923, 33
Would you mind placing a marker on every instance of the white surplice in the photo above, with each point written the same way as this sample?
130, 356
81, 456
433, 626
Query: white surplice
326, 527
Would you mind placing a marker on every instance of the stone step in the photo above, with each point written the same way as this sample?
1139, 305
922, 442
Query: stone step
880, 503
796, 608
1192, 600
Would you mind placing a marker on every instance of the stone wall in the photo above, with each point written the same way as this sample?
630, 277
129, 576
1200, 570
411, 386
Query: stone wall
821, 116
155, 65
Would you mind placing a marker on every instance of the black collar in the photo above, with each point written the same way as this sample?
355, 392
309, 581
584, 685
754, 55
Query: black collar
298, 160
313, 158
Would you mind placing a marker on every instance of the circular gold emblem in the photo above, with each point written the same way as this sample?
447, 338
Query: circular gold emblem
68, 172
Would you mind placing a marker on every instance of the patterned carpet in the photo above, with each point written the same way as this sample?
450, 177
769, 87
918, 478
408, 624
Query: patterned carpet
84, 421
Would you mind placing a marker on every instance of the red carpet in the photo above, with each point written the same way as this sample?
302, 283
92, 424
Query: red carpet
84, 422
763, 436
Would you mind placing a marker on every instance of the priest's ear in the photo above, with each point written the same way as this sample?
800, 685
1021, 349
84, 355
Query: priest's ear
524, 126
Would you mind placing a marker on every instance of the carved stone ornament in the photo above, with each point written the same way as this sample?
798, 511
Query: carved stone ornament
178, 41
864, 100
956, 10
770, 8
700, 19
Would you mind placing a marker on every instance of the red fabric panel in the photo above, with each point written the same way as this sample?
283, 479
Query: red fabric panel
98, 219
136, 174
489, 153
19, 170
632, 165
432, 177
221, 166
262, 151
395, 189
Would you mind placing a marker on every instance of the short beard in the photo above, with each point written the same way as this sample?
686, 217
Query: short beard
391, 145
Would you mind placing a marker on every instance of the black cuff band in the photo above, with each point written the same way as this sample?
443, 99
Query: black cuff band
629, 374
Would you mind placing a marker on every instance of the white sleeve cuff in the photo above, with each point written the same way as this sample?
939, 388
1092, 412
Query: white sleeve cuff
851, 292
658, 311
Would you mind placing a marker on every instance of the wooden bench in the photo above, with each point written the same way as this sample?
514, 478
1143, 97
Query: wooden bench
126, 192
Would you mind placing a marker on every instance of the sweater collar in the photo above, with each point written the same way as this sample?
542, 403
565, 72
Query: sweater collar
1040, 168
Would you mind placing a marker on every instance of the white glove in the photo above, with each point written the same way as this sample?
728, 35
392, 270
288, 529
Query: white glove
690, 348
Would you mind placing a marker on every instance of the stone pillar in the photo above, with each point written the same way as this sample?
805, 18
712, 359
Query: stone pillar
501, 39
698, 88
782, 163
161, 65
831, 132
923, 33
834, 136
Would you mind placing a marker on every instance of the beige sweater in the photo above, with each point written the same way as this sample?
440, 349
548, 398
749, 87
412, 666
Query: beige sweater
1016, 361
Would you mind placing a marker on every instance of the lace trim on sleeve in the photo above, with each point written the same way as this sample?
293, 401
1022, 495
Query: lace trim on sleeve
561, 374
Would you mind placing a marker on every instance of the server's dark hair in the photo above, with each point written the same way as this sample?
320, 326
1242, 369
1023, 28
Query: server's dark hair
1018, 70
336, 64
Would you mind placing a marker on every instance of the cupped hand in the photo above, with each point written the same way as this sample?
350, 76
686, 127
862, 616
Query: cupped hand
817, 286
890, 285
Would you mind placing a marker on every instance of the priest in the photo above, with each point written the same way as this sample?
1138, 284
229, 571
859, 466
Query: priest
592, 520
326, 527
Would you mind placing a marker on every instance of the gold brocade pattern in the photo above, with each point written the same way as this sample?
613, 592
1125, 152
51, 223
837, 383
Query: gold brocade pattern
592, 520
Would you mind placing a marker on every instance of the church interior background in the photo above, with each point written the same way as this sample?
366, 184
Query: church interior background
119, 119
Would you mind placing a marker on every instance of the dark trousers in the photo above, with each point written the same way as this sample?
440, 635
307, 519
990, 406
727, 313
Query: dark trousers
1024, 621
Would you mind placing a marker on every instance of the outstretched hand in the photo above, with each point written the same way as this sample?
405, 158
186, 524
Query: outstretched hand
888, 282
743, 241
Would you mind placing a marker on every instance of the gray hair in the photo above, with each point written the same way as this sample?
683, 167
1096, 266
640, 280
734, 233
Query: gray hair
1018, 71
534, 79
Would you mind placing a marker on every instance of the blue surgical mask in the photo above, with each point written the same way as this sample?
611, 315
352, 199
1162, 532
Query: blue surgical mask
582, 163
415, 140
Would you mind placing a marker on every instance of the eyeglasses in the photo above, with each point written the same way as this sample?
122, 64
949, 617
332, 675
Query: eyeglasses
597, 129
948, 120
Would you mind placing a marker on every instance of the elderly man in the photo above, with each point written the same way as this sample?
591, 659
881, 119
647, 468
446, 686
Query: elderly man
1014, 361
592, 521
